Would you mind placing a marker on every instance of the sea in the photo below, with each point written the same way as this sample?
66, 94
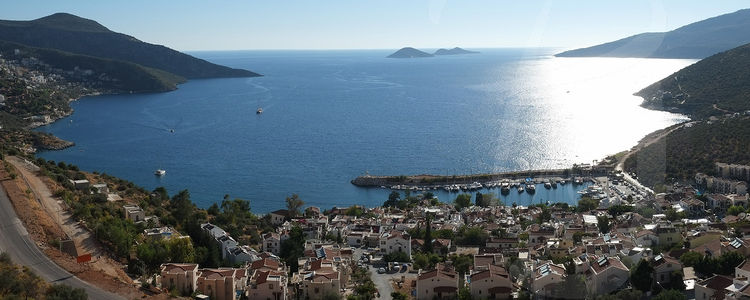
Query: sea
330, 116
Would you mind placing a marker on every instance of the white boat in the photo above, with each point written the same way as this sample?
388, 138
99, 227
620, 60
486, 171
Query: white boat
160, 172
547, 185
530, 188
259, 111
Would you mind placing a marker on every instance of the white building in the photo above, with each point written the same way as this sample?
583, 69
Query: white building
607, 274
545, 277
272, 243
395, 241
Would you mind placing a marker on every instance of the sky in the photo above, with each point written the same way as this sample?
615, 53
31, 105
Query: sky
189, 25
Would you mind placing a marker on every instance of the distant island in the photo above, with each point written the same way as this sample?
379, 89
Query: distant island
717, 85
76, 35
697, 40
409, 52
454, 51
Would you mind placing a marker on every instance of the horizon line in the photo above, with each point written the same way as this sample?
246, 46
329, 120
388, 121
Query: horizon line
347, 49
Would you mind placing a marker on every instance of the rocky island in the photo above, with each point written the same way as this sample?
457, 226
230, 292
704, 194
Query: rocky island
409, 52
454, 51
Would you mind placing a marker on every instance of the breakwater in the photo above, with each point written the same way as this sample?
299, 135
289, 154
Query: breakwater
426, 180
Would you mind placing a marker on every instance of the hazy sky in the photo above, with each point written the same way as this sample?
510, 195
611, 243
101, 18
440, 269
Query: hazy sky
359, 24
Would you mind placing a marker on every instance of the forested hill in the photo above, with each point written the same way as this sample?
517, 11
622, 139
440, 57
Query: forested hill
716, 85
696, 40
77, 35
98, 73
692, 149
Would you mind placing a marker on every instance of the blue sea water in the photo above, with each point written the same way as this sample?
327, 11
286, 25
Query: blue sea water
330, 116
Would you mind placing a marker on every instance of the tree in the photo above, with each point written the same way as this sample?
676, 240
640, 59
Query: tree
673, 215
478, 200
640, 276
180, 250
670, 295
735, 210
427, 248
691, 258
399, 296
181, 207
462, 264
462, 200
464, 293
471, 236
293, 204
587, 203
619, 209
397, 256
293, 248
393, 199
728, 261
603, 223
676, 282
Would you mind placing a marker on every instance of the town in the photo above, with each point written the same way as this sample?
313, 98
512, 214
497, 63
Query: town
689, 239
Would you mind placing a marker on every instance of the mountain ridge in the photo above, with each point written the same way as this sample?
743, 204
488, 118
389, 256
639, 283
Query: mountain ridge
70, 33
695, 40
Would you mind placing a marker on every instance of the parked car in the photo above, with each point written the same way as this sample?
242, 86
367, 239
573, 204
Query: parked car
381, 270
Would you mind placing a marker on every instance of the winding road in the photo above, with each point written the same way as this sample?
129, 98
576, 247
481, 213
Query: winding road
15, 240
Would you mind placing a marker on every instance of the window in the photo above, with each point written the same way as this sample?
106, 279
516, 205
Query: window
317, 290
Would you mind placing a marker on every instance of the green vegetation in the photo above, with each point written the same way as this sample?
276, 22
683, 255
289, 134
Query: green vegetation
713, 86
293, 204
397, 256
723, 264
21, 283
106, 74
670, 295
602, 222
293, 248
462, 200
586, 204
471, 236
641, 275
690, 150
364, 288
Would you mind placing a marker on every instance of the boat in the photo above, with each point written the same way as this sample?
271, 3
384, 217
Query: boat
504, 188
530, 188
547, 185
554, 184
520, 189
259, 111
160, 172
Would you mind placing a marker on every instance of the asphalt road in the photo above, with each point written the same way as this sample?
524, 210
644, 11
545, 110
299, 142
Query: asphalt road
15, 240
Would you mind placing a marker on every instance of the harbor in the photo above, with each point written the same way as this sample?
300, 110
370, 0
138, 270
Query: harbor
523, 187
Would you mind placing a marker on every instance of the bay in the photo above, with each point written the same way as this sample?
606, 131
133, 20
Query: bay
330, 116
